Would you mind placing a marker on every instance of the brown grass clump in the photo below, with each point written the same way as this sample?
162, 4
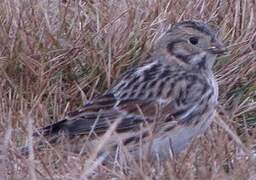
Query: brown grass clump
55, 55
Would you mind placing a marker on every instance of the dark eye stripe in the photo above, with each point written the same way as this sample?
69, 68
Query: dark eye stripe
170, 46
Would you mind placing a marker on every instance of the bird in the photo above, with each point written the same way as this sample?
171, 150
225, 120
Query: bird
162, 103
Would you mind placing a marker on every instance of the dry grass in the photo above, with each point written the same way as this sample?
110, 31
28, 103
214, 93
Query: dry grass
54, 55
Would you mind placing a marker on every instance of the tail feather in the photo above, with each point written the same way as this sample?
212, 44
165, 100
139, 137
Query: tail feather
52, 129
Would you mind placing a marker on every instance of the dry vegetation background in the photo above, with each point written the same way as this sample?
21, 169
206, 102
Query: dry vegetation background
55, 55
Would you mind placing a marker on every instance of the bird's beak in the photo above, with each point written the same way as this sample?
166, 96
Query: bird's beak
217, 48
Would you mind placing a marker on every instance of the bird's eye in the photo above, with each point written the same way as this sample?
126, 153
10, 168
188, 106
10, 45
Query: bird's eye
193, 40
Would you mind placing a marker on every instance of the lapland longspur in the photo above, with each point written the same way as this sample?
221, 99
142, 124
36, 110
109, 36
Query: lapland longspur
169, 98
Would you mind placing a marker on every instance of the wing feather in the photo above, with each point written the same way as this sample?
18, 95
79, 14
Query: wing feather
131, 105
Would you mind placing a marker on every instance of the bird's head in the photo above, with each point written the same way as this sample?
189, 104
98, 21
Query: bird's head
192, 43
